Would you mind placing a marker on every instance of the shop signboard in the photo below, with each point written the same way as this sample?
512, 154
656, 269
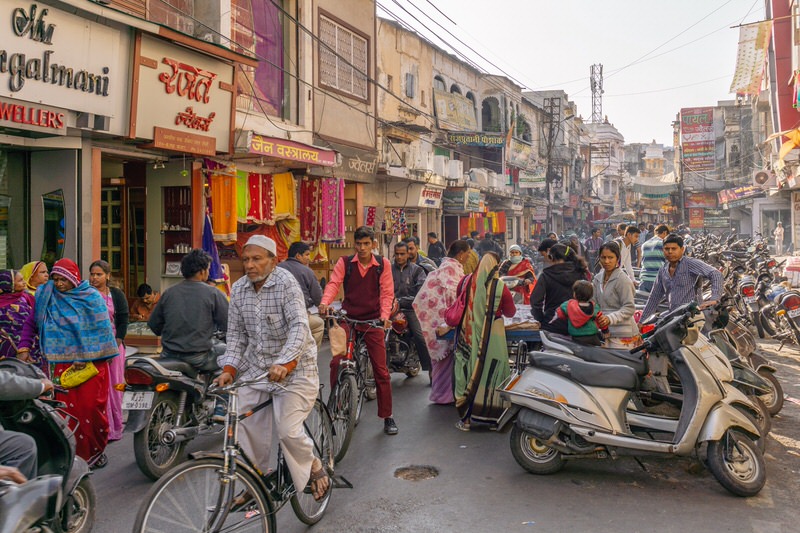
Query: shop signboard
532, 179
697, 138
291, 151
517, 205
538, 212
696, 216
520, 155
573, 200
454, 112
729, 196
430, 197
454, 199
475, 200
180, 91
486, 140
50, 57
701, 199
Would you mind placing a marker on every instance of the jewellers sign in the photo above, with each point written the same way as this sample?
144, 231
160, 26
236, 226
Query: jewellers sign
182, 94
51, 57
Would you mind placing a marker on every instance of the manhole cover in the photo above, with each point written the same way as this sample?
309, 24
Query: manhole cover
416, 472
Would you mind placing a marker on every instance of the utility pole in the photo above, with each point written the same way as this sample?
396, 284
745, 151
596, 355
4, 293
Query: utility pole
552, 120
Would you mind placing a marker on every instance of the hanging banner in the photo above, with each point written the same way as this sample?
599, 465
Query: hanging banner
697, 138
696, 216
751, 57
476, 139
532, 179
701, 199
454, 112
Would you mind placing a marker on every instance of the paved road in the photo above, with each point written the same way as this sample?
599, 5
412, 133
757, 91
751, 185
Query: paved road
481, 488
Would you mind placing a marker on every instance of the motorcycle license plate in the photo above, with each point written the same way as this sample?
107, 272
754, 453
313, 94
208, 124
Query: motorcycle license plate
794, 313
750, 299
137, 401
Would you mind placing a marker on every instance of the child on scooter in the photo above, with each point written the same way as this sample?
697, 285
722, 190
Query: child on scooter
581, 314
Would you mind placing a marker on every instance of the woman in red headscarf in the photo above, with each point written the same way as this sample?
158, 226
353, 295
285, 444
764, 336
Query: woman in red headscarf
520, 267
75, 330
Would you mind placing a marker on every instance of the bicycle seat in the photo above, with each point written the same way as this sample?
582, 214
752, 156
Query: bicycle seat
592, 374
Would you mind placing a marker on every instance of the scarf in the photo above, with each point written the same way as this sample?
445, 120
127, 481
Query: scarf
28, 271
7, 294
74, 325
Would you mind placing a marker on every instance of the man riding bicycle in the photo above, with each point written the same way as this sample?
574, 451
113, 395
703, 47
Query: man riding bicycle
368, 295
268, 331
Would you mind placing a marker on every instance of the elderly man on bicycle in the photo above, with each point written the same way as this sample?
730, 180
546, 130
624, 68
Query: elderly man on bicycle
368, 295
268, 331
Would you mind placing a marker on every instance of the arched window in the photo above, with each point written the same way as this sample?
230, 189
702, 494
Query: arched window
455, 89
438, 83
735, 158
524, 130
490, 115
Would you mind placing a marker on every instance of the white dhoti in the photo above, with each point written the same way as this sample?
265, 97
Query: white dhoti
289, 409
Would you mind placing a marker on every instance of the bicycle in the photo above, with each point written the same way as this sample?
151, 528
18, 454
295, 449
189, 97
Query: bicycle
216, 492
354, 384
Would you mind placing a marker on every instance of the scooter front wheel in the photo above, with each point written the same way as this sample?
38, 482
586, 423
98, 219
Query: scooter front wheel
533, 455
77, 515
774, 398
153, 457
737, 463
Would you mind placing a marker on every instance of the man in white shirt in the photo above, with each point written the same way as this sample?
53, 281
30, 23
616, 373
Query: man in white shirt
778, 234
630, 240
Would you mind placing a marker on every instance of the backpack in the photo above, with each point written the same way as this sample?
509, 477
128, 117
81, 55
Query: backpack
348, 267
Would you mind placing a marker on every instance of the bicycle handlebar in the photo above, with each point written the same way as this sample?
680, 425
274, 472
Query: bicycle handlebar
342, 315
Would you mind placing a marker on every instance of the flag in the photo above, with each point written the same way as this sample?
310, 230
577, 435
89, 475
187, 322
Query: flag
751, 57
509, 134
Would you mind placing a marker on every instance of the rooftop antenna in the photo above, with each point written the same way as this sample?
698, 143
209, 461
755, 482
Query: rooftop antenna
596, 81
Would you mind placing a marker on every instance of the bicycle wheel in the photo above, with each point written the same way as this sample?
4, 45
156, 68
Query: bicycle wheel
318, 427
343, 403
193, 498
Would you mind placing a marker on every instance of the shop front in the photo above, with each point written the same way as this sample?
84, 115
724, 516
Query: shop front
412, 209
63, 85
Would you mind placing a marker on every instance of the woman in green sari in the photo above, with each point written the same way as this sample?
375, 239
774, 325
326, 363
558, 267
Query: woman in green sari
481, 362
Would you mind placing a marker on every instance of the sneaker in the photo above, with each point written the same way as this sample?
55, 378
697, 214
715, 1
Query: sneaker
219, 414
389, 427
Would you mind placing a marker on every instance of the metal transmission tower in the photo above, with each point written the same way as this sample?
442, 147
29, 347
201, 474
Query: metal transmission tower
596, 81
552, 123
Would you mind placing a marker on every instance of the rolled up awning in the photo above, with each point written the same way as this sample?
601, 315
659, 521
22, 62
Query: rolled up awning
658, 187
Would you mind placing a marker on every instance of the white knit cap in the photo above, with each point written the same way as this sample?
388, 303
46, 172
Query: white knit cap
263, 242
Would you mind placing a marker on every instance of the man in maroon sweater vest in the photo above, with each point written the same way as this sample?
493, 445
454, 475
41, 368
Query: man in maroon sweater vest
367, 296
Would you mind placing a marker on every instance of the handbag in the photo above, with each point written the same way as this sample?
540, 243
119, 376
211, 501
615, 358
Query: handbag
337, 337
72, 377
455, 311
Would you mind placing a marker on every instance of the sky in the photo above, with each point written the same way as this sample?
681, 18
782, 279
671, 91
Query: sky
657, 56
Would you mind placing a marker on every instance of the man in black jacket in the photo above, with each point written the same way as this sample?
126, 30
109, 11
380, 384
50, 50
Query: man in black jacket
436, 249
408, 279
297, 264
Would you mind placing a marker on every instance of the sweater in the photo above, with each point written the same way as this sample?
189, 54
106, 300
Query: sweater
616, 303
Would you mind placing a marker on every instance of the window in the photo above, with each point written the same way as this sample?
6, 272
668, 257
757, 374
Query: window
411, 85
340, 51
422, 98
606, 188
390, 83
438, 83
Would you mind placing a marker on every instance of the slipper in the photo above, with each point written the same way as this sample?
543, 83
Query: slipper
463, 426
316, 480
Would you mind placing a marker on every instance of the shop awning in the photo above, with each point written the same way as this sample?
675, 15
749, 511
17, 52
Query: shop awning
355, 164
658, 187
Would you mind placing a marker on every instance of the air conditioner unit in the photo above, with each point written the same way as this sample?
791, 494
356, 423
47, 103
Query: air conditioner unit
424, 161
479, 176
440, 165
764, 179
410, 156
455, 170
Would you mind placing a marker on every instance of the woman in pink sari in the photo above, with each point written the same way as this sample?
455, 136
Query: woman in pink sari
435, 296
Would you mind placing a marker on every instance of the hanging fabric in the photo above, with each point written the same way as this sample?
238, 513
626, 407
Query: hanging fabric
284, 205
223, 196
210, 247
261, 198
332, 219
370, 216
501, 222
399, 226
242, 197
309, 209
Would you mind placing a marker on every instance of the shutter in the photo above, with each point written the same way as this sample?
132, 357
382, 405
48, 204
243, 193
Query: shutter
137, 8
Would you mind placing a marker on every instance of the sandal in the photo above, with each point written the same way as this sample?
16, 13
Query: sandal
100, 462
315, 481
463, 426
241, 500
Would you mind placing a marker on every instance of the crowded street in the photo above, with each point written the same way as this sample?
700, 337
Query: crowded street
479, 486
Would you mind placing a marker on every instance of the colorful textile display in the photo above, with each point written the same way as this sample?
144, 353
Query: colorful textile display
242, 197
398, 221
261, 198
210, 247
319, 253
223, 195
284, 204
370, 216
309, 209
267, 230
332, 196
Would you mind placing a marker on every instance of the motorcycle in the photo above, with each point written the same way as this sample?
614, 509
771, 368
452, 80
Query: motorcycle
565, 408
749, 302
64, 507
168, 405
401, 352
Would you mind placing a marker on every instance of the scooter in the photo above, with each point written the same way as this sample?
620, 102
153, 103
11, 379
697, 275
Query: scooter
564, 408
401, 352
168, 405
71, 508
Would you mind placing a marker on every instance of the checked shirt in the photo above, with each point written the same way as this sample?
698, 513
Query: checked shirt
269, 327
683, 287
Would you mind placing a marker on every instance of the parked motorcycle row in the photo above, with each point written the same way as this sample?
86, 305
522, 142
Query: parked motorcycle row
698, 385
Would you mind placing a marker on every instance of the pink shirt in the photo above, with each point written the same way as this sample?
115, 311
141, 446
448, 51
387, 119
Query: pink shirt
386, 283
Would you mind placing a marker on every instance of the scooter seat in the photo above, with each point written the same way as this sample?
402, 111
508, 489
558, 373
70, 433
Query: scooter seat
592, 374
607, 356
181, 366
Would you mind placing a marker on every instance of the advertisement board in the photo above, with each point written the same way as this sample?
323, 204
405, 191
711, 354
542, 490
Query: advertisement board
697, 138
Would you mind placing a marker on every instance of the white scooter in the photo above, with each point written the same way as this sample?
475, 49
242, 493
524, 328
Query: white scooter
566, 408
